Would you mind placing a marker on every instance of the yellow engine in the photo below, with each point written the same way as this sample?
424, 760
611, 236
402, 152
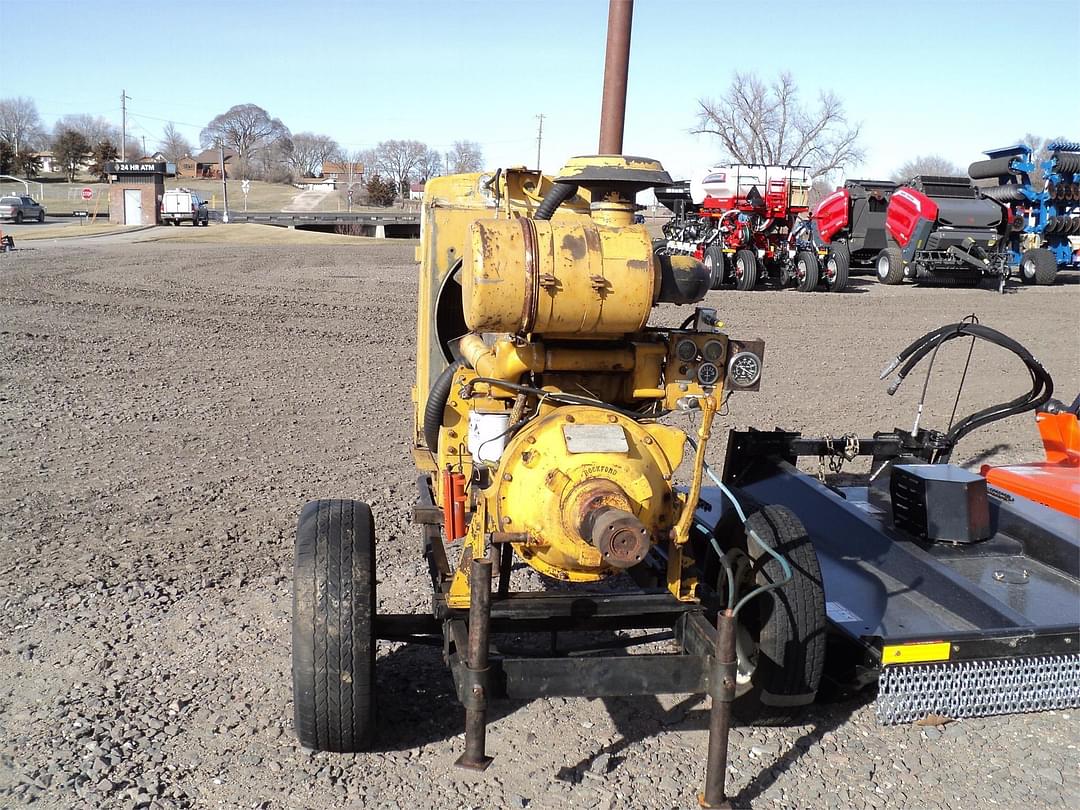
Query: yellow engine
539, 384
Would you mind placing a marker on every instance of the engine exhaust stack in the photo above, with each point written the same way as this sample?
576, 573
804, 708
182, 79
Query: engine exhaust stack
616, 69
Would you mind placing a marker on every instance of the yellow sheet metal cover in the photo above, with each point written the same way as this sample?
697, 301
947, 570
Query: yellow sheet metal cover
915, 653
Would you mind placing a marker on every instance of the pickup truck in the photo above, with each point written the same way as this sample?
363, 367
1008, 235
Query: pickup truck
181, 205
18, 209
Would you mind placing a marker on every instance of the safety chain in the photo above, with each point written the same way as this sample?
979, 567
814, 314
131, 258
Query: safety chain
837, 456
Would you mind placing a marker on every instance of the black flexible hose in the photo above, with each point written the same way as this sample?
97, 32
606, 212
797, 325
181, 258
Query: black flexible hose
560, 192
436, 404
1042, 385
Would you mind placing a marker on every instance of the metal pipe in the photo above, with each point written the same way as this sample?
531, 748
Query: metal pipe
476, 672
722, 691
616, 70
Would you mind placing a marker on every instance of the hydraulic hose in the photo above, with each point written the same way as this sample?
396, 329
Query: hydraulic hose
1042, 386
785, 566
560, 192
436, 404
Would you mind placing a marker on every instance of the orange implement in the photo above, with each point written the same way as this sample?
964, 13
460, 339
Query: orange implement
1056, 481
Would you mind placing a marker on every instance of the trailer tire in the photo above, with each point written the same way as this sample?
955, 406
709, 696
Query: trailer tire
714, 261
806, 263
333, 640
745, 269
837, 265
889, 265
784, 629
1038, 266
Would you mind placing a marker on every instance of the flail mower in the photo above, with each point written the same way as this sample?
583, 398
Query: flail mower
540, 441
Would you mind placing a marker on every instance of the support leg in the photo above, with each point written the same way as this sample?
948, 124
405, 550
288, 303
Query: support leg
722, 691
475, 757
506, 562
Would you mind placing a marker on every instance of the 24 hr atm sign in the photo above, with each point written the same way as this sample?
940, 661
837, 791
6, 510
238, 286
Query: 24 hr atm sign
135, 168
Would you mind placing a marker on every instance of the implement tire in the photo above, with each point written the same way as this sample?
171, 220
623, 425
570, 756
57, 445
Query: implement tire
333, 639
1038, 266
807, 270
837, 266
889, 266
714, 261
745, 269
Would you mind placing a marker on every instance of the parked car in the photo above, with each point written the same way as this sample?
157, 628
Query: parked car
18, 209
181, 205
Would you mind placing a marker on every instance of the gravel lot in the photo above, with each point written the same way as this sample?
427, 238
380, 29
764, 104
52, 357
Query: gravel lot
165, 410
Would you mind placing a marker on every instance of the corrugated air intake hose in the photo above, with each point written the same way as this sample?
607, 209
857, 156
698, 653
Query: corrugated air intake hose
560, 192
436, 404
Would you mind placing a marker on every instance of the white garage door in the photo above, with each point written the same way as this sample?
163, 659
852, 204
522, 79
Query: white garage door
132, 206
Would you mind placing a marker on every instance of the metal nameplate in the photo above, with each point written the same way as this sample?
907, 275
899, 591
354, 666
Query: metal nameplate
595, 439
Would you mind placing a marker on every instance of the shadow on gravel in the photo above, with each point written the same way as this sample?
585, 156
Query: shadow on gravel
416, 700
822, 718
638, 718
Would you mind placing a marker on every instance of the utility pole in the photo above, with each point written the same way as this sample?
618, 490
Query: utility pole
124, 99
539, 139
224, 183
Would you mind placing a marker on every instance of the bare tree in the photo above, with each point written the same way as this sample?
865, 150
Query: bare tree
247, 130
430, 165
398, 160
766, 123
929, 165
20, 125
351, 164
172, 144
310, 151
94, 128
465, 156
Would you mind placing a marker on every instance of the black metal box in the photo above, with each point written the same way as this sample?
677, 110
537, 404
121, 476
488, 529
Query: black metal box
940, 502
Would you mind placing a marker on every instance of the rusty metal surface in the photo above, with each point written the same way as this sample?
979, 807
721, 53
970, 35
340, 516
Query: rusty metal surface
616, 70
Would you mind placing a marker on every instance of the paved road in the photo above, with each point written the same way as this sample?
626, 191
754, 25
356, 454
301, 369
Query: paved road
27, 227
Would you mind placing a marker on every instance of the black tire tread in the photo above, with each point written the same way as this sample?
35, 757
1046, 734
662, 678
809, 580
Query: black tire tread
813, 270
333, 616
1045, 266
749, 279
791, 656
842, 257
896, 266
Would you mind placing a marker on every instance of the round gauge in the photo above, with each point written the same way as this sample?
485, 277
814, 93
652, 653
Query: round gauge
686, 350
713, 351
708, 374
744, 369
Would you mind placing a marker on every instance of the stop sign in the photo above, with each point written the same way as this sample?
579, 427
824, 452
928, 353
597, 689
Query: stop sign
88, 194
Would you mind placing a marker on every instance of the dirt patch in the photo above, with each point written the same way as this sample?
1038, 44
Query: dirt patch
167, 409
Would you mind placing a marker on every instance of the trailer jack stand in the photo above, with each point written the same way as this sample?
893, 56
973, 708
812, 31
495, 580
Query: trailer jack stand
476, 673
722, 692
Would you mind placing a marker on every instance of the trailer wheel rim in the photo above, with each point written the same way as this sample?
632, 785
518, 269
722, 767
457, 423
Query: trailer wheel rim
830, 270
800, 269
882, 266
1028, 268
740, 269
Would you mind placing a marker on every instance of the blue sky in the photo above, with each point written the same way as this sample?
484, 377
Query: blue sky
952, 77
